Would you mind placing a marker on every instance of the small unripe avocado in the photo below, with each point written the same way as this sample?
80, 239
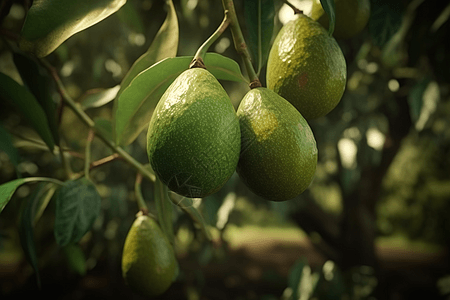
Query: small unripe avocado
193, 139
148, 259
307, 67
351, 16
279, 154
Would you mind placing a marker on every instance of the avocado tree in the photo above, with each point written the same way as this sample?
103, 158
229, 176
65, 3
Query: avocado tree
123, 123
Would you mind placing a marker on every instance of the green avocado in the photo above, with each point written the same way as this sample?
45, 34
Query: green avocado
307, 67
352, 17
148, 260
193, 138
278, 154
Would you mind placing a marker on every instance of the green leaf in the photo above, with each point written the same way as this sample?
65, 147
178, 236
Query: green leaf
24, 101
164, 45
6, 145
385, 20
75, 259
104, 126
259, 20
129, 15
77, 207
98, 97
26, 232
134, 107
187, 205
50, 22
295, 277
38, 81
7, 189
164, 209
330, 10
415, 98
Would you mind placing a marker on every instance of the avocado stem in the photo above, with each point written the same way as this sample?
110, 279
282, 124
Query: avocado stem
138, 193
296, 10
87, 154
239, 43
197, 61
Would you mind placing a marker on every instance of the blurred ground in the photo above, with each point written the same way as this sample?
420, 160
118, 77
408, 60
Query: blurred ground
255, 265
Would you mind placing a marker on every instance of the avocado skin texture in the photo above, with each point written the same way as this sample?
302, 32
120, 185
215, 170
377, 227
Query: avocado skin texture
193, 140
352, 17
278, 154
307, 67
148, 259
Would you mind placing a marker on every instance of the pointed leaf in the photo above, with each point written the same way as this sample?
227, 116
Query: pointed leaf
26, 232
6, 145
259, 20
295, 277
98, 97
164, 209
77, 207
385, 20
25, 102
134, 107
75, 259
50, 22
164, 45
7, 189
129, 15
38, 81
330, 10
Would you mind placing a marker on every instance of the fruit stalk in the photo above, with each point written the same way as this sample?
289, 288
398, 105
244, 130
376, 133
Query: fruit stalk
197, 61
90, 123
296, 10
138, 192
239, 43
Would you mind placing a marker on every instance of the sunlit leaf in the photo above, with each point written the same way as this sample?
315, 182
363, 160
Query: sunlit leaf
385, 20
50, 22
6, 145
25, 102
98, 97
7, 189
39, 82
77, 207
259, 20
164, 209
330, 10
134, 107
164, 45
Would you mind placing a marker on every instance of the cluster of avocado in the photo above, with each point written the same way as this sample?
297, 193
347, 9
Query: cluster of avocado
196, 140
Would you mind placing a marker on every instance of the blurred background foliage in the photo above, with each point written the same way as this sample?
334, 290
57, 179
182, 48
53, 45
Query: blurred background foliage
384, 164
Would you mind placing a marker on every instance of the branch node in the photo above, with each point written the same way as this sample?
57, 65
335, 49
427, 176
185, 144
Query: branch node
197, 63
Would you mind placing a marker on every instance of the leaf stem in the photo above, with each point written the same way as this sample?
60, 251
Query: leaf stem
87, 155
90, 123
239, 43
197, 61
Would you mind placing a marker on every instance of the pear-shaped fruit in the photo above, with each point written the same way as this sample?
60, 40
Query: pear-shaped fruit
193, 139
148, 260
307, 67
351, 16
279, 154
